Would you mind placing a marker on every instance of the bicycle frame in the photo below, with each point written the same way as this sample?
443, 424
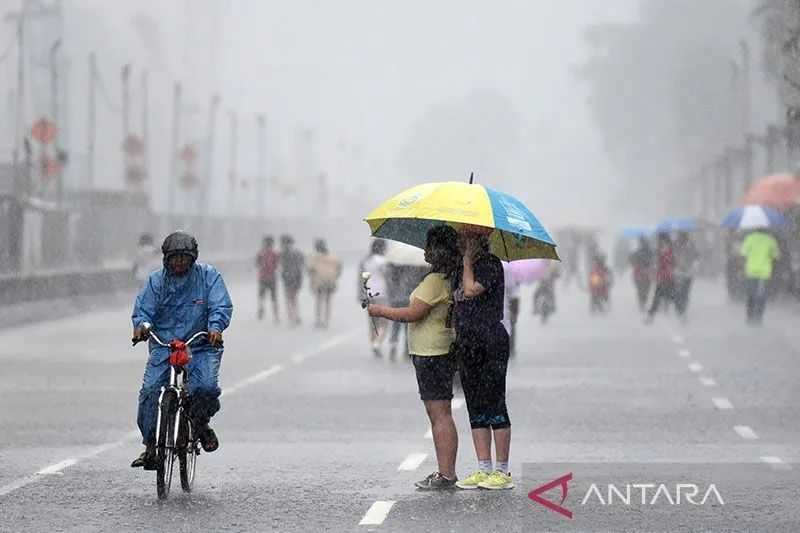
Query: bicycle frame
179, 386
169, 446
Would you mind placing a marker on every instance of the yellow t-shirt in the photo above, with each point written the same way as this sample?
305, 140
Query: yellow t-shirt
429, 336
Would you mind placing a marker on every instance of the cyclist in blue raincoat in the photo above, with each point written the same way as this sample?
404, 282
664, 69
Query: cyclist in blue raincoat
179, 300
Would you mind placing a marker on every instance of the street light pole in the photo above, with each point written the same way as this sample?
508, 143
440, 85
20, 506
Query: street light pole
232, 161
261, 122
92, 120
173, 175
54, 111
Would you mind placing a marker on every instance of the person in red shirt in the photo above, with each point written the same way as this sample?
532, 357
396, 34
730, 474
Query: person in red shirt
267, 263
665, 275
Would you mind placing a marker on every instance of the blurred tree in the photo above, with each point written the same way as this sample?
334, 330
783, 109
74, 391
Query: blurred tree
779, 22
663, 89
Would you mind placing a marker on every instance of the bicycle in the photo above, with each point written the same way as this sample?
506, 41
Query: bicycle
174, 432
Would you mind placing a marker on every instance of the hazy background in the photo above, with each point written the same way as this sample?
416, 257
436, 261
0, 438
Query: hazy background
587, 110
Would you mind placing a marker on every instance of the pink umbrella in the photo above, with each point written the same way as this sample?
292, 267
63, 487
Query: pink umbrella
528, 270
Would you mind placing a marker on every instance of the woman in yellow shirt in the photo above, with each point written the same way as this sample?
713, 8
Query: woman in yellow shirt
429, 338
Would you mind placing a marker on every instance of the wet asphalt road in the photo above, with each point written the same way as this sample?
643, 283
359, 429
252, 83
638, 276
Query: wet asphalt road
313, 427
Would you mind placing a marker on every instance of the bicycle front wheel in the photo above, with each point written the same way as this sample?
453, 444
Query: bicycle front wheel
187, 454
165, 451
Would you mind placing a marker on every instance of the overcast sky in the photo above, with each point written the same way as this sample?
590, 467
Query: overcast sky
375, 81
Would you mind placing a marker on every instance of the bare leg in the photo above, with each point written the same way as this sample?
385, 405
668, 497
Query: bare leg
482, 440
502, 444
445, 436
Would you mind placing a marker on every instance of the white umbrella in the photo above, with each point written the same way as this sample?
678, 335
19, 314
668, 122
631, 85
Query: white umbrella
405, 254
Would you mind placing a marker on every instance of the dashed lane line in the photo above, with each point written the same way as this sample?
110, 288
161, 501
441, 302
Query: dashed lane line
775, 462
695, 367
722, 403
377, 513
60, 466
412, 462
746, 432
708, 382
684, 353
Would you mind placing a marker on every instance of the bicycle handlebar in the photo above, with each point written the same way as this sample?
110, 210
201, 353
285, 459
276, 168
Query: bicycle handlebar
152, 335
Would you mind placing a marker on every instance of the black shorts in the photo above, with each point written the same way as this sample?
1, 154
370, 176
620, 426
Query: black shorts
483, 363
266, 285
435, 376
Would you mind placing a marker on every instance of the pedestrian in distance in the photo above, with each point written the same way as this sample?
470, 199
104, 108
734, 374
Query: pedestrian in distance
147, 258
600, 280
292, 265
181, 299
324, 270
267, 262
665, 276
642, 262
511, 306
375, 265
686, 259
482, 348
760, 251
430, 336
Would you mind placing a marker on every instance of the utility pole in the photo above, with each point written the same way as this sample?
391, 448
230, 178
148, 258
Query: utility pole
145, 125
126, 118
232, 161
261, 122
173, 156
208, 177
19, 184
92, 121
748, 155
54, 111
745, 86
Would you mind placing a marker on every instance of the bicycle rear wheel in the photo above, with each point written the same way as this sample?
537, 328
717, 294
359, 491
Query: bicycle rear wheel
187, 454
165, 452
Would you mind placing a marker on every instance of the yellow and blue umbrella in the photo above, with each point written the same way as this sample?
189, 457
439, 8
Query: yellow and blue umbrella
514, 232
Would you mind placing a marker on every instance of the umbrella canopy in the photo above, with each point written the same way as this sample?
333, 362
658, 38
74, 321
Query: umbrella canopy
752, 217
514, 232
780, 191
529, 270
669, 225
635, 232
405, 255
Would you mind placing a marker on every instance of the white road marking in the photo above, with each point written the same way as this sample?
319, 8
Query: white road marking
684, 353
722, 403
746, 432
255, 378
429, 434
377, 513
57, 468
695, 367
457, 404
327, 345
677, 339
413, 461
708, 382
775, 462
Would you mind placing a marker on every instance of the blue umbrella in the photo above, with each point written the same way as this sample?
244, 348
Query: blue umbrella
752, 217
669, 225
635, 232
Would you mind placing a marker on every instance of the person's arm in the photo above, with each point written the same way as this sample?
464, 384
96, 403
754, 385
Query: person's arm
415, 312
471, 287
